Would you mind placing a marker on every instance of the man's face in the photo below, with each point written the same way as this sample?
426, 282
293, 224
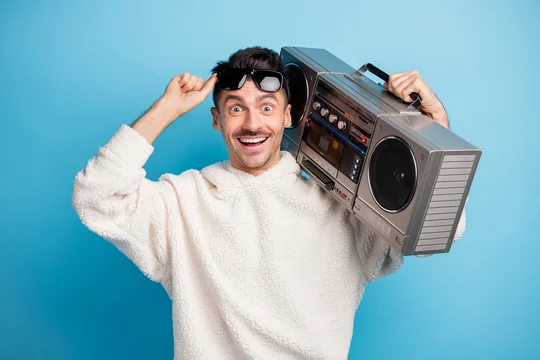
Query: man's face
252, 123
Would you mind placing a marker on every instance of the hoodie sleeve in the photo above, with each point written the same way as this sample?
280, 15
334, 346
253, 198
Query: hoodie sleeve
377, 257
461, 225
114, 199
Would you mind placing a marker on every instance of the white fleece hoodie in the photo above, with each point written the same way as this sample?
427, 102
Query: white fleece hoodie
257, 267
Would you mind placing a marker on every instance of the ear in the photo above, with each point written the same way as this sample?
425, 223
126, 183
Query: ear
288, 118
216, 124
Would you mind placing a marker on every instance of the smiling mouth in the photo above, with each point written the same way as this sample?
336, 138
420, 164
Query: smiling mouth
252, 141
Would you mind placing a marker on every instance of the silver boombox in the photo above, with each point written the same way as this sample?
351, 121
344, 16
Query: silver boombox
398, 171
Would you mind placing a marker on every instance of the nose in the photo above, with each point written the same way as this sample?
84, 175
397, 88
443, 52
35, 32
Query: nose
252, 121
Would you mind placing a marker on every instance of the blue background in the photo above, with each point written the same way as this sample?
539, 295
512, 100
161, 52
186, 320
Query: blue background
73, 71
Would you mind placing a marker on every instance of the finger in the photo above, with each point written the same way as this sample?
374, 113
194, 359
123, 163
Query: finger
398, 80
392, 79
197, 97
198, 86
401, 89
414, 85
184, 79
400, 83
209, 85
173, 84
191, 84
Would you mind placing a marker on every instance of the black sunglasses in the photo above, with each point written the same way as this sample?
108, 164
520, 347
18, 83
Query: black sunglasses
266, 80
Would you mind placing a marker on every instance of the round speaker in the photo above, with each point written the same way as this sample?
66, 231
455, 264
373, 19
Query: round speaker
298, 92
392, 174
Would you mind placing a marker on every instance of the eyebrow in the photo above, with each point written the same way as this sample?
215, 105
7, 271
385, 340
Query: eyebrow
259, 99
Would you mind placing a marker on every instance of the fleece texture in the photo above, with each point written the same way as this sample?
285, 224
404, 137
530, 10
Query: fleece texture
257, 267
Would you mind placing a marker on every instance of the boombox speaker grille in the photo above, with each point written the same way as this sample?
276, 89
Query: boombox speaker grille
445, 202
392, 174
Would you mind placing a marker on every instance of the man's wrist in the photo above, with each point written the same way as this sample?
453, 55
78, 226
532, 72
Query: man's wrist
155, 120
442, 118
164, 110
439, 115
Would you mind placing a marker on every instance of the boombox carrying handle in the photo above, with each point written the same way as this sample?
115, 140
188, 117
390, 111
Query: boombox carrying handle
417, 100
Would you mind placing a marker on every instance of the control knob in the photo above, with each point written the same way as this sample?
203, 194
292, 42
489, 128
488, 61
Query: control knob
324, 111
333, 118
316, 105
342, 125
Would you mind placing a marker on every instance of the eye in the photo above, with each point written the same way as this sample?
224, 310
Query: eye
236, 109
267, 108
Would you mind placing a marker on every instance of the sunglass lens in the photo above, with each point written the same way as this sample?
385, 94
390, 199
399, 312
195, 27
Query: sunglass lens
232, 79
268, 80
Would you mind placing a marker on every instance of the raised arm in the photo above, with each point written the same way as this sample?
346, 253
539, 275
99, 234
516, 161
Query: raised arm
402, 85
111, 194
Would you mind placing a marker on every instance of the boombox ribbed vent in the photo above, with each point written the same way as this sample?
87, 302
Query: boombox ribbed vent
445, 201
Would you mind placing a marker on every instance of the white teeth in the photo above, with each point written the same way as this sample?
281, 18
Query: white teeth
253, 140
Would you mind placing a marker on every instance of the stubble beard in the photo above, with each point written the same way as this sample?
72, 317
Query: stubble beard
259, 161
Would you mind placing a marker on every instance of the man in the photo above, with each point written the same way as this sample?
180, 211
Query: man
259, 262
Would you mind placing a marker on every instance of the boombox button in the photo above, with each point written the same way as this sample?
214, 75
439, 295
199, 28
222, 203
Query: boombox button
324, 111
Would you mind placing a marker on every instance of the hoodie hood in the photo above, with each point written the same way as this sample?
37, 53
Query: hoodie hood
229, 180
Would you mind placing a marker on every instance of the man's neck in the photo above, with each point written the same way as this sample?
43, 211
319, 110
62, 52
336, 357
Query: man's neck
258, 171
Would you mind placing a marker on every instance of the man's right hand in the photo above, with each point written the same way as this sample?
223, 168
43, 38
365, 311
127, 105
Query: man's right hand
185, 92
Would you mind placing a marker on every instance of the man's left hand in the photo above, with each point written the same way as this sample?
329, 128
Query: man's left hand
402, 84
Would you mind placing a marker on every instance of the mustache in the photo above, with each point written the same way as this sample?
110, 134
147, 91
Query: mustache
243, 133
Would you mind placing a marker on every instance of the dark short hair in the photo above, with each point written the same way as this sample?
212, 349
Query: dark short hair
255, 57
